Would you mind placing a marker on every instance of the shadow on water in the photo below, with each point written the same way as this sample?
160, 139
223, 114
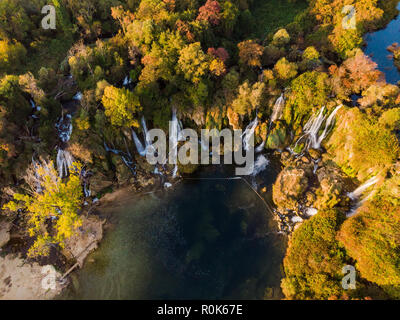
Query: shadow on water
203, 239
376, 48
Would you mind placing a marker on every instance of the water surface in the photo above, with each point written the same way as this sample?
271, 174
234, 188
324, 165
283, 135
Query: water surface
203, 239
376, 48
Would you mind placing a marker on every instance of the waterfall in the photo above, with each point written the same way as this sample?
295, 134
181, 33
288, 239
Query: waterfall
313, 126
328, 125
64, 158
260, 165
311, 211
248, 133
360, 190
64, 161
146, 138
261, 146
175, 171
64, 127
78, 96
127, 81
139, 146
278, 109
177, 126
126, 157
356, 194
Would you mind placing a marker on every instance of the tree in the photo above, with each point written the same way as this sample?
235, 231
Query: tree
314, 259
250, 53
121, 106
371, 237
229, 14
281, 38
50, 207
193, 63
354, 75
11, 56
249, 97
210, 12
285, 70
14, 22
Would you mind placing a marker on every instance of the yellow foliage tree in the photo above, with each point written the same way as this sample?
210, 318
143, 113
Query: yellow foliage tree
50, 207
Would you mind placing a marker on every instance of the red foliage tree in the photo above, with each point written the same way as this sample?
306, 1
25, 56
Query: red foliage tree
210, 12
220, 53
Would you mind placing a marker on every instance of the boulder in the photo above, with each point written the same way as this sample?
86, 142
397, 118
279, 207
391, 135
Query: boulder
289, 187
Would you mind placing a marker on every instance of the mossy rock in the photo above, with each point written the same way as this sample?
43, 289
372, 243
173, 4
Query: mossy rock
278, 136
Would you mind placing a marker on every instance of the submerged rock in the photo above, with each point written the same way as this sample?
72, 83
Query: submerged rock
85, 240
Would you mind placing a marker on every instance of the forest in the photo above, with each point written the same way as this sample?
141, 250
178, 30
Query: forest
73, 98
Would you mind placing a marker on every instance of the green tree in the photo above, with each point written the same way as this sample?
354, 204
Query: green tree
121, 106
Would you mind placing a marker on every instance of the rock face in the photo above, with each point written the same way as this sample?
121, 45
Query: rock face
289, 187
24, 281
331, 185
83, 242
4, 233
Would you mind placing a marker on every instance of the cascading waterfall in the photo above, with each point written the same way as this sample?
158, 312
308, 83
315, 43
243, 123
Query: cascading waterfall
356, 194
139, 146
248, 133
64, 162
78, 96
313, 126
64, 158
361, 189
126, 157
278, 109
127, 81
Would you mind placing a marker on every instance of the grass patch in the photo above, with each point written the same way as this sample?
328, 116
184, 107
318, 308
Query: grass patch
273, 14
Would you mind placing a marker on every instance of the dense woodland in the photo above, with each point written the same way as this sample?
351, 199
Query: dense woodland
219, 63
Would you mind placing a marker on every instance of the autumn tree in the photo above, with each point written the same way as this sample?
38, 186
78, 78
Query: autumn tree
354, 75
121, 106
249, 97
250, 53
210, 12
50, 207
285, 70
193, 62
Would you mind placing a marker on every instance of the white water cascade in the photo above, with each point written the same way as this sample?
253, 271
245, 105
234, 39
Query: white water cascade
78, 96
356, 194
361, 189
248, 133
127, 81
64, 161
260, 165
139, 146
278, 109
313, 126
64, 158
